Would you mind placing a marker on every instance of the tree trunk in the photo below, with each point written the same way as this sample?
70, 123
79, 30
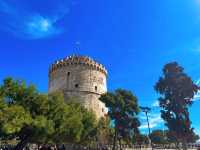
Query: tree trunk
114, 141
120, 145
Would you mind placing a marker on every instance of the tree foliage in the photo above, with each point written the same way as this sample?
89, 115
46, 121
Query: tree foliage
159, 137
177, 91
141, 139
123, 110
29, 116
89, 122
105, 131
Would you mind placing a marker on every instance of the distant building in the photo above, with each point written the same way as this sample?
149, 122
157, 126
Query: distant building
80, 77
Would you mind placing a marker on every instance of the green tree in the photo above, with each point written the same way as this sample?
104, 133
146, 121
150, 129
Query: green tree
67, 120
177, 91
123, 110
105, 131
21, 111
32, 117
88, 120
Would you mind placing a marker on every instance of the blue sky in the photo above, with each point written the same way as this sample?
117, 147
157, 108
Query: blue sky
132, 38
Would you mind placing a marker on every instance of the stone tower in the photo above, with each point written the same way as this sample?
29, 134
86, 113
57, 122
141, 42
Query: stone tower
80, 77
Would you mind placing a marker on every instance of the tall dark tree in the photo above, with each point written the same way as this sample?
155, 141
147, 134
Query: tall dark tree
177, 91
123, 110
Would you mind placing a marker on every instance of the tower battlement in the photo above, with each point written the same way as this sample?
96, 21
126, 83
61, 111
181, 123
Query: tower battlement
77, 60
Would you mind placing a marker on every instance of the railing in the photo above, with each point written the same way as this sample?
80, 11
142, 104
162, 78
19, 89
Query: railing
190, 146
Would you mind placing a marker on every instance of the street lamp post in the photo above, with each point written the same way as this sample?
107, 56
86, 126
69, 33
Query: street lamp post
146, 110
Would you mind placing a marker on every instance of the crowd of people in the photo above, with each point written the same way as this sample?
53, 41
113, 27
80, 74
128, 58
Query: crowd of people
44, 147
53, 147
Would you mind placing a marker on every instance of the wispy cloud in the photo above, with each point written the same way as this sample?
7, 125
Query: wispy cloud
155, 120
155, 103
197, 95
39, 27
197, 131
30, 24
197, 82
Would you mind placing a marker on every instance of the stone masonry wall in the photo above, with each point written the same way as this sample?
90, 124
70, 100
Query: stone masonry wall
82, 81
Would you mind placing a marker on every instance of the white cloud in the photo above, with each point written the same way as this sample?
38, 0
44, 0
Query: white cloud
30, 24
197, 131
197, 95
38, 26
155, 120
197, 82
155, 104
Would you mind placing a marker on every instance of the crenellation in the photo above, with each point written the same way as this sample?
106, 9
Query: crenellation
78, 60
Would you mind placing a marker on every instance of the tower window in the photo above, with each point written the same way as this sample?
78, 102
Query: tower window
95, 88
68, 74
76, 85
102, 110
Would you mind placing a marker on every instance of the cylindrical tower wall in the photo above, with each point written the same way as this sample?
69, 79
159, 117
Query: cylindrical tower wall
80, 77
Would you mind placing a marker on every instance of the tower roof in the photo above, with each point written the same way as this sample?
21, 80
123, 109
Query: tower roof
77, 60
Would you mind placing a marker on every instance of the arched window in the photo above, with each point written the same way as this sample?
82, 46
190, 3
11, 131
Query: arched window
95, 88
68, 74
76, 85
